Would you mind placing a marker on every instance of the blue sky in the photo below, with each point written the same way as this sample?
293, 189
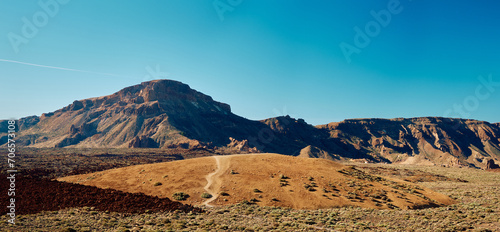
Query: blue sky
264, 58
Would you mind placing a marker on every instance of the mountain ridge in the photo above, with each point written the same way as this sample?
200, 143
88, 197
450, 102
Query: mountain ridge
169, 114
451, 142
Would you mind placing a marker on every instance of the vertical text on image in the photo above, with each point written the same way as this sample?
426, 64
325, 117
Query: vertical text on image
11, 171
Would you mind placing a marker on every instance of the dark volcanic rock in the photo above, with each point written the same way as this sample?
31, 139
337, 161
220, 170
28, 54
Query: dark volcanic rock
142, 142
35, 195
490, 164
77, 134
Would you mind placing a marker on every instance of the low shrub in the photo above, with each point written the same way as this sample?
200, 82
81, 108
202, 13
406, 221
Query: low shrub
180, 196
206, 195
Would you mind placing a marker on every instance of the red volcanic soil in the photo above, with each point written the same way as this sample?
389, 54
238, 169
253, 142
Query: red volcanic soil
34, 195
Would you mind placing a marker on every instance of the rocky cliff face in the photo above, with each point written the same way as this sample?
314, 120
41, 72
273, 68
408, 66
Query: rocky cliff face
445, 141
168, 114
295, 135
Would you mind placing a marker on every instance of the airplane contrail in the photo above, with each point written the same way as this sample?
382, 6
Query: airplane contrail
60, 68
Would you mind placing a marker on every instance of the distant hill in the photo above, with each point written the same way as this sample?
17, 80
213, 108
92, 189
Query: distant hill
265, 179
169, 114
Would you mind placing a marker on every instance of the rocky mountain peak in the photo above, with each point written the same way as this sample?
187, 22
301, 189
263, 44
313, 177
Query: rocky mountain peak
160, 90
154, 94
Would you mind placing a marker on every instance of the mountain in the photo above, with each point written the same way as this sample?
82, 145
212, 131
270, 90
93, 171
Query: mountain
428, 140
169, 114
156, 114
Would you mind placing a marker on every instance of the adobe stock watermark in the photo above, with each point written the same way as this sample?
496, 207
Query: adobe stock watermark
11, 171
484, 90
362, 38
31, 26
154, 74
223, 6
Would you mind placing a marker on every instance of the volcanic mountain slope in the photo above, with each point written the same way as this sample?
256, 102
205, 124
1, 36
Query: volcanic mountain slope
446, 141
169, 114
160, 113
265, 179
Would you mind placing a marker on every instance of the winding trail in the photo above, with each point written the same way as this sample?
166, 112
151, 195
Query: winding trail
214, 182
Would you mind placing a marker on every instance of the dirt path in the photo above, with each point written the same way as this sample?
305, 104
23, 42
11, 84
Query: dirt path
213, 179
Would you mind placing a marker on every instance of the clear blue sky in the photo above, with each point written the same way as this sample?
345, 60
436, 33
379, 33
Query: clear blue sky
264, 58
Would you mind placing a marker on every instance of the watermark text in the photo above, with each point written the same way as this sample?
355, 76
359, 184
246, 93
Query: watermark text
11, 171
31, 26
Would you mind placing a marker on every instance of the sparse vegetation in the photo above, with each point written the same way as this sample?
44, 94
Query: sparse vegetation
478, 209
206, 195
157, 184
309, 187
245, 202
180, 196
283, 180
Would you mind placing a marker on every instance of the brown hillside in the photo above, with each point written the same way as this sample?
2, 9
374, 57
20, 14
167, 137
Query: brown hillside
265, 179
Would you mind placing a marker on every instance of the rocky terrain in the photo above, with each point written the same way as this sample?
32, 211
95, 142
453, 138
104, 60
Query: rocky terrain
169, 114
430, 140
37, 195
